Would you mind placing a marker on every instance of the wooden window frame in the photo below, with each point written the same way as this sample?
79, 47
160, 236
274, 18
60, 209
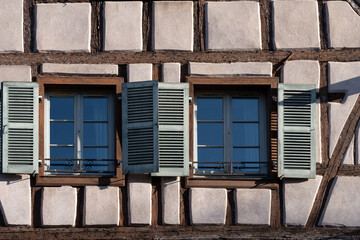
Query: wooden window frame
269, 85
60, 180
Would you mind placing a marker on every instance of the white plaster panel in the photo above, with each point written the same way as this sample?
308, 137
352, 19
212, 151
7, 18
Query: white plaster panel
171, 72
173, 25
86, 69
252, 206
299, 197
139, 199
139, 72
296, 24
58, 206
343, 28
15, 199
208, 206
306, 72
63, 27
357, 144
123, 26
170, 187
101, 206
18, 73
233, 25
236, 68
11, 26
348, 157
343, 204
343, 77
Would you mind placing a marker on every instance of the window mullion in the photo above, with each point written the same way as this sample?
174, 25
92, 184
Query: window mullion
228, 134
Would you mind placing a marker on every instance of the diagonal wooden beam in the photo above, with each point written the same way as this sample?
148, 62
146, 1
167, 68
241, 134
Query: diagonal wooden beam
334, 165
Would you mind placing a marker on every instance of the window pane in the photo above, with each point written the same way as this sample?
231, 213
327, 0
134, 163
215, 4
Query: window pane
95, 134
95, 153
246, 134
62, 108
246, 159
61, 153
245, 109
209, 108
210, 134
210, 159
95, 108
62, 133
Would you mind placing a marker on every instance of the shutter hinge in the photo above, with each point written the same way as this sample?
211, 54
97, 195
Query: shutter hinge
119, 162
40, 98
119, 98
190, 164
190, 100
274, 99
40, 162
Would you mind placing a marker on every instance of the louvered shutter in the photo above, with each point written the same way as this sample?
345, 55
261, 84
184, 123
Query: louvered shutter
173, 129
140, 127
296, 131
20, 127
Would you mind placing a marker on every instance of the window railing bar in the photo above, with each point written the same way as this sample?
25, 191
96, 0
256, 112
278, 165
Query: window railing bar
61, 145
246, 146
207, 146
93, 146
95, 121
210, 121
60, 120
84, 159
245, 121
233, 162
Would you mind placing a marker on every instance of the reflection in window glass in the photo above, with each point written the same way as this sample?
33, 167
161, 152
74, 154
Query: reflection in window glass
62, 108
246, 159
209, 108
210, 134
95, 108
95, 134
62, 133
210, 158
245, 109
246, 134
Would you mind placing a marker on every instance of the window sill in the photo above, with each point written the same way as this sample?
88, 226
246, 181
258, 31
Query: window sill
52, 180
270, 182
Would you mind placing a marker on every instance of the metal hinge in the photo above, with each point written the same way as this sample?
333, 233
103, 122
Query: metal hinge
190, 100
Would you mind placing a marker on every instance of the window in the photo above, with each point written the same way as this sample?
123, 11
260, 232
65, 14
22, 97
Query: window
230, 133
79, 133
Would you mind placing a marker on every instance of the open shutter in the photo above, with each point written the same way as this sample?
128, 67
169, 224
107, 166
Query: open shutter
140, 127
296, 131
20, 127
173, 129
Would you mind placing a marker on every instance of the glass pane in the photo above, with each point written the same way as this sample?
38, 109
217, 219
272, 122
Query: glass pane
245, 109
246, 159
61, 153
96, 153
95, 108
246, 134
95, 134
61, 133
210, 134
210, 159
209, 108
62, 108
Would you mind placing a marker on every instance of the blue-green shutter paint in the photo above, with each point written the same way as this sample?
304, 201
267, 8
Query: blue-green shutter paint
296, 130
140, 127
173, 129
20, 127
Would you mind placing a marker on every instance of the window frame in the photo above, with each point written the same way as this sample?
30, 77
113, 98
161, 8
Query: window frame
269, 86
78, 97
53, 83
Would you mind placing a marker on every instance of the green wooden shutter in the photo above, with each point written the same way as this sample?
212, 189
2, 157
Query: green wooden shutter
296, 131
20, 127
140, 127
173, 129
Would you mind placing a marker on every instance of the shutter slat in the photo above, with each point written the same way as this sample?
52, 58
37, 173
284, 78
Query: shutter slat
139, 127
20, 124
296, 132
